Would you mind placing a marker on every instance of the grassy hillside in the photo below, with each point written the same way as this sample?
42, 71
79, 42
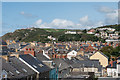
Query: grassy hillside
38, 34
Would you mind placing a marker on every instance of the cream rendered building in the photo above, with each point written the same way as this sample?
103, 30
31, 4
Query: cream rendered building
103, 59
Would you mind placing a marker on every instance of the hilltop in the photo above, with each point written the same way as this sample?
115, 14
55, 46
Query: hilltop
116, 27
40, 34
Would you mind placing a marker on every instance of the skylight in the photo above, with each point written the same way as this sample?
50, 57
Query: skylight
11, 73
17, 72
40, 65
24, 70
34, 66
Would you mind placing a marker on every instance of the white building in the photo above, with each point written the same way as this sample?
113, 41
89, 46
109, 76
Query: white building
51, 38
71, 54
92, 31
110, 29
71, 32
114, 70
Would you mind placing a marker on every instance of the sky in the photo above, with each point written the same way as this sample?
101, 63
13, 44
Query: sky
57, 15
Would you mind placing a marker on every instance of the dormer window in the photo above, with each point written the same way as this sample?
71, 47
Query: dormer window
41, 65
24, 70
11, 73
17, 72
34, 66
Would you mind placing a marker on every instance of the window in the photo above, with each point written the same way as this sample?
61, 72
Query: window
40, 65
24, 70
119, 74
34, 66
17, 72
114, 73
11, 73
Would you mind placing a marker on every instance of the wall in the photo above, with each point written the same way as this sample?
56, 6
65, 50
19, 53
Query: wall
118, 68
102, 59
112, 72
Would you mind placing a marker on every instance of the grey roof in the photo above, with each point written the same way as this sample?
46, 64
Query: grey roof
80, 57
34, 62
3, 53
4, 49
60, 64
12, 72
22, 46
75, 63
41, 57
14, 45
23, 68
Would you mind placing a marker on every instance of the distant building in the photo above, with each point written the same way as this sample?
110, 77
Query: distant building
113, 69
14, 69
71, 54
71, 32
91, 31
110, 29
51, 38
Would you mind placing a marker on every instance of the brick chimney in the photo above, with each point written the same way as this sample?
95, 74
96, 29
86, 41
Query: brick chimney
30, 51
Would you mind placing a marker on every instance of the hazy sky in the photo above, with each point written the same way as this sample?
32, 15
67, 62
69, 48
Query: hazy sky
70, 15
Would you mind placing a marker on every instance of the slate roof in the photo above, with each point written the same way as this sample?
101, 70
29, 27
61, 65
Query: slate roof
75, 63
12, 72
34, 62
14, 45
23, 46
60, 64
41, 57
3, 53
23, 68
82, 57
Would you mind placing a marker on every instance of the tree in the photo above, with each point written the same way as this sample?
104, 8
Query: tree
84, 31
107, 50
116, 51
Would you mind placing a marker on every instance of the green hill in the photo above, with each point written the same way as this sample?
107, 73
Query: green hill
38, 34
116, 27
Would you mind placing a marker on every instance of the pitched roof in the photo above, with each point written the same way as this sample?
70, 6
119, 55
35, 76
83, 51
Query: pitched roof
75, 63
12, 72
102, 54
60, 64
14, 45
35, 63
80, 57
23, 68
41, 57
